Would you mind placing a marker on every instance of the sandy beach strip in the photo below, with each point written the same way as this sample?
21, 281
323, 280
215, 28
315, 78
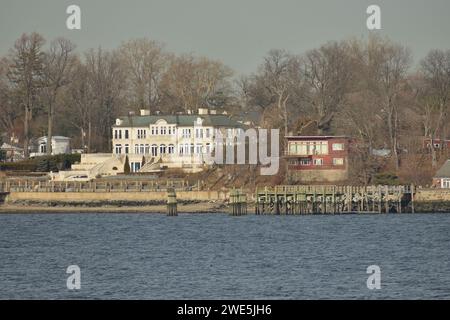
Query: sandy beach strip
203, 207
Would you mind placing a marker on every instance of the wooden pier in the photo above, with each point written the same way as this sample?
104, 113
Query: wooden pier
238, 202
332, 199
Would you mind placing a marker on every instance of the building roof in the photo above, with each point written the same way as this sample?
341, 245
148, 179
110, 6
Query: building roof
216, 120
54, 137
316, 137
444, 171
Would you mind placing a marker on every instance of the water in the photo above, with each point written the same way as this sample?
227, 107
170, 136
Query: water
215, 256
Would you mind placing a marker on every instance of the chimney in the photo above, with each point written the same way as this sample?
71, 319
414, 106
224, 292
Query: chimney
145, 112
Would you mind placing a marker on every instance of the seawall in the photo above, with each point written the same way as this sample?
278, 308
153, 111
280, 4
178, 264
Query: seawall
113, 197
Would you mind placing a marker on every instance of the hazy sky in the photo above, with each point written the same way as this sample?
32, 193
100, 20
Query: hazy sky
238, 32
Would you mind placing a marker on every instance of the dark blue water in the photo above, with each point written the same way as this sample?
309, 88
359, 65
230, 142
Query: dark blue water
217, 256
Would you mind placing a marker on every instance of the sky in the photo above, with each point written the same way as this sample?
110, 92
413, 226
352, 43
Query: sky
237, 32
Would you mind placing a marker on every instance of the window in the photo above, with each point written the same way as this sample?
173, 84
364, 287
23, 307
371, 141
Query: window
163, 130
154, 150
141, 133
147, 149
338, 146
170, 149
153, 131
198, 148
162, 149
207, 133
126, 134
208, 148
305, 162
318, 162
445, 183
127, 149
118, 148
198, 133
338, 161
292, 148
136, 148
169, 130
302, 149
115, 134
308, 148
135, 166
141, 149
186, 133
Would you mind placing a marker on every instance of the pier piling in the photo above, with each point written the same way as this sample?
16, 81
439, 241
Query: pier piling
171, 202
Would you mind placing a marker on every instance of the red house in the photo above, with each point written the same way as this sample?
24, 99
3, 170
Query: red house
317, 158
436, 143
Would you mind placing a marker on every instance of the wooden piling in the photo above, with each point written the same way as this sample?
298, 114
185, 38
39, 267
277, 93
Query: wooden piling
171, 202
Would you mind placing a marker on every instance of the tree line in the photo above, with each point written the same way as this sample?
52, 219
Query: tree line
365, 88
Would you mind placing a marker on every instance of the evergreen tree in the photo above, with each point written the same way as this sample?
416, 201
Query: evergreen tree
126, 167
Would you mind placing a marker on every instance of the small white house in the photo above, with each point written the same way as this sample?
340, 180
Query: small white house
60, 145
442, 177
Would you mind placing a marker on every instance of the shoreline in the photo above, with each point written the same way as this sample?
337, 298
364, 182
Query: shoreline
200, 208
188, 208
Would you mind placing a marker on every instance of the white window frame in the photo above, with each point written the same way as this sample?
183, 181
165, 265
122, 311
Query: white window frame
318, 162
445, 183
338, 146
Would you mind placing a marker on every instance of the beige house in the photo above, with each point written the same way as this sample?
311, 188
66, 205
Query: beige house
159, 141
170, 141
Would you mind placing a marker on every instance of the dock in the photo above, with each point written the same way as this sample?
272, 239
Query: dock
333, 199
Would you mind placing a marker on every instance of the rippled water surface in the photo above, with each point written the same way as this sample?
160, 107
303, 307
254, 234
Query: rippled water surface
214, 256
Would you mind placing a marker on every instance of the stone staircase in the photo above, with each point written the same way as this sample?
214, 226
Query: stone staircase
92, 166
154, 165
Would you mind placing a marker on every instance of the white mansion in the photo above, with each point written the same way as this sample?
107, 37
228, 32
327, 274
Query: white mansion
170, 141
153, 143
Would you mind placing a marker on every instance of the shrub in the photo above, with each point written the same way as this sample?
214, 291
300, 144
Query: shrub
386, 178
2, 155
42, 164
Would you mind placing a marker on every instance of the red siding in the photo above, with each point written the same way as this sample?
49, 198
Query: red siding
327, 159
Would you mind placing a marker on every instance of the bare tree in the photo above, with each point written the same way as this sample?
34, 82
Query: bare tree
328, 74
388, 66
80, 101
57, 67
277, 84
191, 82
107, 78
434, 96
26, 75
8, 111
145, 63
